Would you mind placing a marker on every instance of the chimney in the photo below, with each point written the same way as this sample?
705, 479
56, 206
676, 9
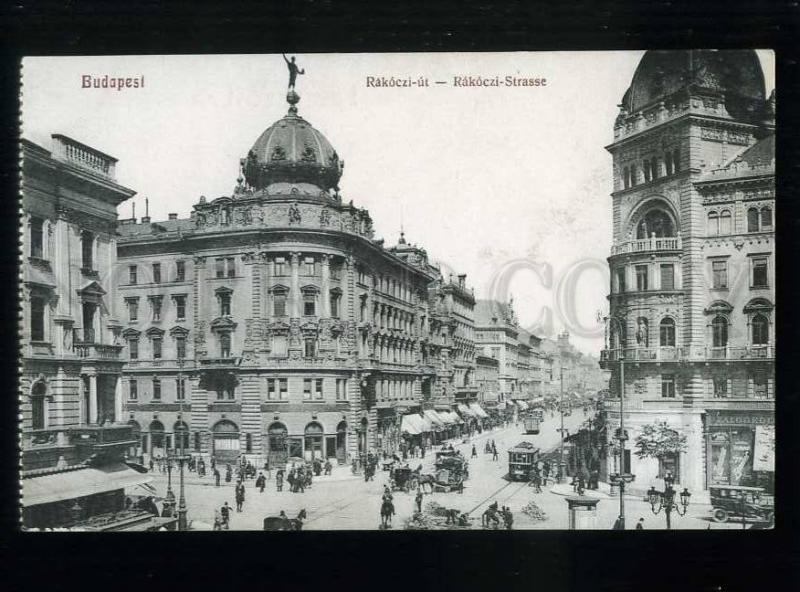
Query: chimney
146, 217
173, 216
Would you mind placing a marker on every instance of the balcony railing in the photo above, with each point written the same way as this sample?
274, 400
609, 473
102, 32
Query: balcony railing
646, 245
98, 351
672, 354
46, 448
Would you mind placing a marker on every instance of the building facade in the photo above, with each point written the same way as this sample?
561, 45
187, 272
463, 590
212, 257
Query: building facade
692, 265
272, 323
73, 428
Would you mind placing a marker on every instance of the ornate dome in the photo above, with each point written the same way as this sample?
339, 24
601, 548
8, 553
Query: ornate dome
292, 151
735, 73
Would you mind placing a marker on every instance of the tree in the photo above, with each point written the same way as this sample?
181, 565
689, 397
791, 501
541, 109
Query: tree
658, 440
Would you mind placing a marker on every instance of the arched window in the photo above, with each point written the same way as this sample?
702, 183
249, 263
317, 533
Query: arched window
719, 331
760, 329
38, 408
156, 430
713, 224
313, 441
766, 218
752, 220
226, 440
666, 332
276, 441
725, 222
655, 222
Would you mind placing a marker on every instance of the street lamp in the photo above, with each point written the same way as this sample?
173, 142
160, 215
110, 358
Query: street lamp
181, 457
622, 477
666, 500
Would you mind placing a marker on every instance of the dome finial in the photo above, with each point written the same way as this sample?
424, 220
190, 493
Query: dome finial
292, 98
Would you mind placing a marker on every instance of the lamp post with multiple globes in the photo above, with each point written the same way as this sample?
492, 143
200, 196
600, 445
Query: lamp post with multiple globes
665, 500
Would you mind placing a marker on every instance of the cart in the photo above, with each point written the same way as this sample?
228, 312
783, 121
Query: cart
404, 479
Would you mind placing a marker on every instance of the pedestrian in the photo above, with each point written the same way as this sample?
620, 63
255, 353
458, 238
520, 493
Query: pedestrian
228, 473
279, 480
508, 517
151, 464
261, 482
474, 452
225, 510
640, 524
546, 470
418, 500
617, 524
494, 451
328, 467
300, 480
216, 477
217, 520
239, 496
267, 469
537, 481
290, 479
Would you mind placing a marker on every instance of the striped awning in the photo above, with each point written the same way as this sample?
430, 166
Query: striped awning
478, 410
434, 418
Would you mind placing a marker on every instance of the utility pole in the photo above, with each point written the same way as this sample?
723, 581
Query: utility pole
561, 431
622, 471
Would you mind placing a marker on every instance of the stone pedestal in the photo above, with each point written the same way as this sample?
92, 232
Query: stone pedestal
582, 512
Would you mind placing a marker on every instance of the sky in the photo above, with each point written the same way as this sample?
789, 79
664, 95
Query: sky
510, 185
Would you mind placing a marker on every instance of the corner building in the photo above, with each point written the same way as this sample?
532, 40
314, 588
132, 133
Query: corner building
692, 266
272, 323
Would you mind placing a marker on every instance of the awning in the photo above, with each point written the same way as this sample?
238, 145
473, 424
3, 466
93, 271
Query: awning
69, 485
478, 410
522, 405
434, 418
409, 426
451, 416
464, 410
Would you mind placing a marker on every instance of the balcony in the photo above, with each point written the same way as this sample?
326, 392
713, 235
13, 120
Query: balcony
648, 245
44, 448
675, 354
98, 351
750, 352
220, 363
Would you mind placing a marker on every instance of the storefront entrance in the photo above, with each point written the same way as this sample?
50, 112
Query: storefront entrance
226, 441
313, 441
731, 448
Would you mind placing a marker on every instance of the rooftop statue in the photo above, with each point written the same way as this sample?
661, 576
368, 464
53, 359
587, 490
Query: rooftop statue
293, 71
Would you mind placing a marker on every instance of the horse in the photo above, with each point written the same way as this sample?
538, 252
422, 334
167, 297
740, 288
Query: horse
426, 479
387, 511
284, 523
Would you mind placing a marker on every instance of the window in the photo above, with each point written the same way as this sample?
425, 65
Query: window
719, 275
180, 271
626, 181
272, 389
279, 345
646, 169
157, 273
306, 389
318, 389
37, 319
279, 303
156, 389
37, 237
279, 266
336, 272
87, 250
667, 276
309, 303
620, 279
641, 278
759, 384
283, 388
225, 345
133, 390
654, 167
752, 220
180, 389
759, 266
231, 263
766, 218
496, 352
335, 298
310, 268
668, 386
725, 222
220, 267
760, 330
224, 304
656, 222
666, 333
133, 348
634, 176
713, 224
310, 350
676, 160
720, 387
155, 305
157, 342
180, 306
719, 331
180, 346
132, 273
668, 162
133, 309
341, 389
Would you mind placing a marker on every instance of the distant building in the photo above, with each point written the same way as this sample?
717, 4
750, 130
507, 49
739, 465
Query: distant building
693, 265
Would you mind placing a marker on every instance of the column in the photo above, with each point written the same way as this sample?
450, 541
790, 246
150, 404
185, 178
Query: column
295, 300
326, 278
118, 400
93, 398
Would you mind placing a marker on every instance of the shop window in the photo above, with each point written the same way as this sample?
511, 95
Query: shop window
666, 332
760, 330
719, 275
180, 271
156, 273
37, 237
720, 387
668, 386
719, 331
725, 222
759, 272
766, 218
37, 305
133, 272
752, 220
641, 278
667, 276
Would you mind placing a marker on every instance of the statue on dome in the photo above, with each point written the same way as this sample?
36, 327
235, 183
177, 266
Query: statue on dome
293, 71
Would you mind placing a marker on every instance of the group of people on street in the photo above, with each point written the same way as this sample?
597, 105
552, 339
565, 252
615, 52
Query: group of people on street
489, 448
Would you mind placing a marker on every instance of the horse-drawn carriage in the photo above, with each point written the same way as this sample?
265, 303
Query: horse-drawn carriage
403, 478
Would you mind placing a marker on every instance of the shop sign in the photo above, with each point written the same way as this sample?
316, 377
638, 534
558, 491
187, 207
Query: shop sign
764, 449
738, 419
